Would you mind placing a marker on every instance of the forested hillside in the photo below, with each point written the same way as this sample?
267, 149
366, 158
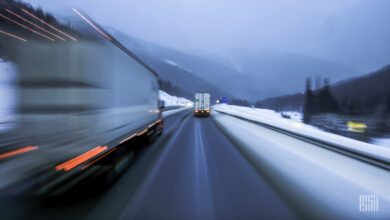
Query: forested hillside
359, 95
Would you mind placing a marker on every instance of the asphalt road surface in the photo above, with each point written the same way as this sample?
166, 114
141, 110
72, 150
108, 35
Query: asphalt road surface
192, 171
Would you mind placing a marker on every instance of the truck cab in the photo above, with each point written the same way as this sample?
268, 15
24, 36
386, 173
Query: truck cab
202, 104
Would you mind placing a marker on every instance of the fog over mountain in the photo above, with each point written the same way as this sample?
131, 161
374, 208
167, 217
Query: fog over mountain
252, 47
256, 74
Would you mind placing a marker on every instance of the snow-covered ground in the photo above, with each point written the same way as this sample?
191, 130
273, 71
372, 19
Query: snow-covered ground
272, 118
296, 116
170, 100
320, 183
382, 141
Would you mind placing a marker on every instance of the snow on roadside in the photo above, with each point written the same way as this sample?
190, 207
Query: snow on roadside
170, 100
272, 118
318, 174
296, 116
382, 141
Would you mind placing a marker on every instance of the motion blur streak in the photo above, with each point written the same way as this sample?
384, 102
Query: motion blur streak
143, 132
36, 32
18, 151
14, 36
96, 160
70, 164
35, 25
128, 138
90, 23
56, 29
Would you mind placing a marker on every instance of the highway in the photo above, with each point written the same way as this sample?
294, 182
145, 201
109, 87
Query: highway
191, 172
91, 129
220, 167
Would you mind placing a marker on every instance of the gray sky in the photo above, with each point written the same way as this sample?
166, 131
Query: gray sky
352, 32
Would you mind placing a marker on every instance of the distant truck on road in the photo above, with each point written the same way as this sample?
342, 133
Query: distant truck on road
202, 104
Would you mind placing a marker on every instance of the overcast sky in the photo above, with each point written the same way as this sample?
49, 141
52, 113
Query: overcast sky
352, 32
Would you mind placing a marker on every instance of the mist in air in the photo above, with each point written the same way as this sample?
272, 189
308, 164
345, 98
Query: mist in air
351, 32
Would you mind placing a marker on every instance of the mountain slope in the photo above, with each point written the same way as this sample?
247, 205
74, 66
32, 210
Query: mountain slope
365, 94
191, 72
246, 74
369, 93
278, 73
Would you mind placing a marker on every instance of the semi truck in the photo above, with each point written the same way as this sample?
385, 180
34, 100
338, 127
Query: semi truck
202, 104
82, 109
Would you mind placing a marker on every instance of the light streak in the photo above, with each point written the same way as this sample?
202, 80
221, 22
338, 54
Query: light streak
143, 132
90, 23
96, 160
52, 27
70, 164
35, 25
14, 36
18, 151
128, 138
36, 32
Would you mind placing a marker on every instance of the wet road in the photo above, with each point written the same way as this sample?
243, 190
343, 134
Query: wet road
191, 172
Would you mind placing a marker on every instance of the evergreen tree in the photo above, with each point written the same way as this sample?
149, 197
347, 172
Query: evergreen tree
327, 103
388, 104
308, 102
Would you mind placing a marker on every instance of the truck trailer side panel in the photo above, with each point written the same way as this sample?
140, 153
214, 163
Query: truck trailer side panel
74, 97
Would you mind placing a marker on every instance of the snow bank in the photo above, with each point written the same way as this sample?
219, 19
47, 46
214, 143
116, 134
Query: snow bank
318, 183
382, 141
296, 116
272, 118
170, 100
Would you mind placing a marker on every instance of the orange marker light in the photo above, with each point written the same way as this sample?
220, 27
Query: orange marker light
37, 26
143, 132
70, 164
42, 21
18, 151
90, 23
36, 32
96, 160
128, 138
14, 36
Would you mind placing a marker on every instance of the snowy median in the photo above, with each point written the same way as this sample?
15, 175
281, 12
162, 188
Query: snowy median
379, 155
316, 182
173, 104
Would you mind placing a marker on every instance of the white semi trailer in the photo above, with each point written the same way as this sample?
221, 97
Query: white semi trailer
202, 104
84, 106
